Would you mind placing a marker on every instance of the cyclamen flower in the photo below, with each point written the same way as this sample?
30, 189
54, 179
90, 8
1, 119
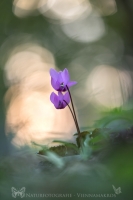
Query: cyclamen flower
60, 101
61, 79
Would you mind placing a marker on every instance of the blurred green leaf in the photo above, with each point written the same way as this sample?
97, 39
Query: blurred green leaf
67, 144
55, 159
85, 149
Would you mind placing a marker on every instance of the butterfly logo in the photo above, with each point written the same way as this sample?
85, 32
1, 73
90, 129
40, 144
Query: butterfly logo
20, 192
118, 190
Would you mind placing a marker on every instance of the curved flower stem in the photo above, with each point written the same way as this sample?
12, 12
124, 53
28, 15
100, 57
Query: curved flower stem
72, 115
76, 122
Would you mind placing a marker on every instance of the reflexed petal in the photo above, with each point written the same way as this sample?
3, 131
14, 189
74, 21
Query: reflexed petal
55, 84
60, 79
65, 76
71, 83
64, 105
67, 97
56, 101
53, 74
61, 96
60, 106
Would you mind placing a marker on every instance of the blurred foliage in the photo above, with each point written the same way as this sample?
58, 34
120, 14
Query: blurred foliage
52, 174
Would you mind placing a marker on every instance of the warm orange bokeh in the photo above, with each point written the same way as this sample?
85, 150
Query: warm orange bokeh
30, 114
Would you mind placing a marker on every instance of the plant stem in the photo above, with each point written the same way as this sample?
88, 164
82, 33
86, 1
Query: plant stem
78, 130
72, 114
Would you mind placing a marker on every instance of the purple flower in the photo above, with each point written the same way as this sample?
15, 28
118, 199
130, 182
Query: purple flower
59, 80
60, 101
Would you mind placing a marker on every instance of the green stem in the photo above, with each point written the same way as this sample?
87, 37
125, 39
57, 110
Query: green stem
72, 114
78, 130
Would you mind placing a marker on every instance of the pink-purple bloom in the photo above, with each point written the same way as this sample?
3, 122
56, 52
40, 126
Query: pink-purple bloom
60, 101
61, 79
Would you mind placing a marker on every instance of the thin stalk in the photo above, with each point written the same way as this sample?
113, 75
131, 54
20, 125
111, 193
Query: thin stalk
72, 114
78, 130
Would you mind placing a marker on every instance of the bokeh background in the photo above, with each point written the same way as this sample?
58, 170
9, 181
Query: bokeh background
93, 39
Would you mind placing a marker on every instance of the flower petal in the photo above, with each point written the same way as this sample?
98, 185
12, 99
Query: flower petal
61, 96
54, 99
55, 84
64, 105
67, 98
71, 83
54, 74
60, 79
65, 76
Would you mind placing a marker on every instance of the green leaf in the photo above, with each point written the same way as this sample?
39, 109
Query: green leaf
68, 144
81, 137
